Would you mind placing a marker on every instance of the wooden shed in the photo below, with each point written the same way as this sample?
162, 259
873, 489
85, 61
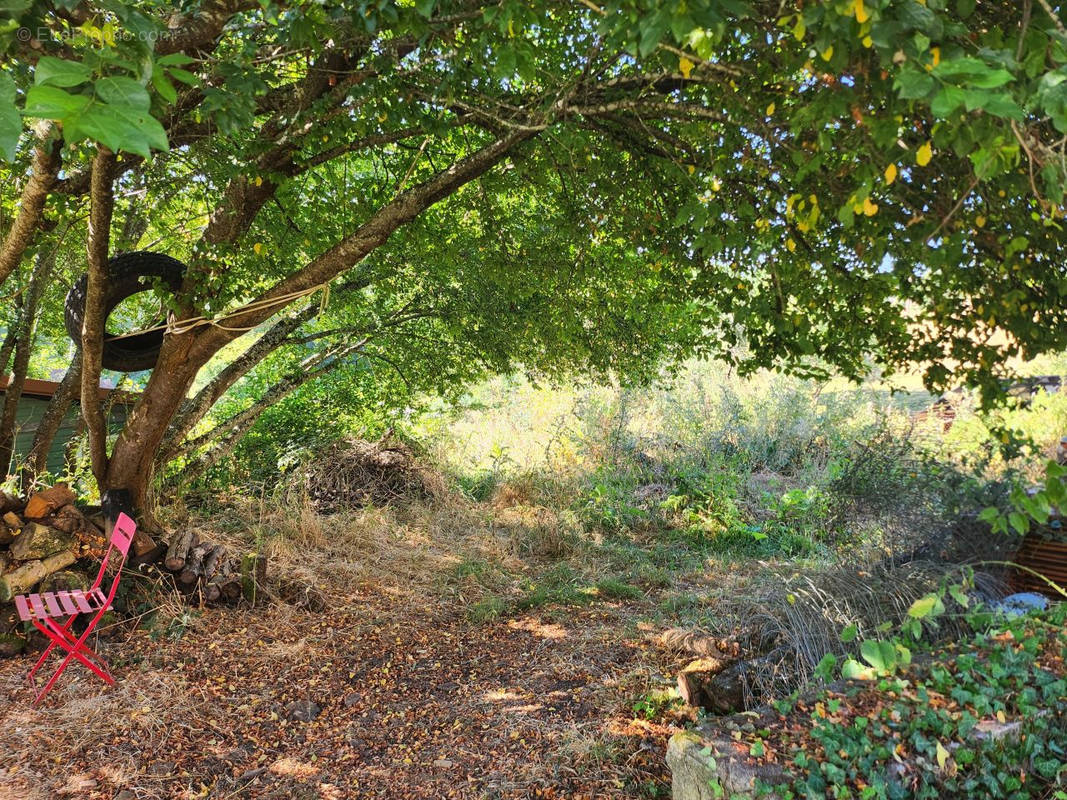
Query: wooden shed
36, 395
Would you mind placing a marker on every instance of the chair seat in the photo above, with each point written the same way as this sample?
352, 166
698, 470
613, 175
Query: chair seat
59, 604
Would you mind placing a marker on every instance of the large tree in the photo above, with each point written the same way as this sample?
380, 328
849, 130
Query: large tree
828, 182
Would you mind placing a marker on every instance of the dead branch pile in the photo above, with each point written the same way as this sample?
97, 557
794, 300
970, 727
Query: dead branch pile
791, 623
354, 473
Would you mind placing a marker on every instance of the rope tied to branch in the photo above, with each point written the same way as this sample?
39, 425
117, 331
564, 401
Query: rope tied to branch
171, 327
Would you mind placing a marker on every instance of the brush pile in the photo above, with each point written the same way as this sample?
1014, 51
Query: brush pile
355, 473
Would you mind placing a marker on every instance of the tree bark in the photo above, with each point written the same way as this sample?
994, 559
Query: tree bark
45, 168
102, 203
27, 330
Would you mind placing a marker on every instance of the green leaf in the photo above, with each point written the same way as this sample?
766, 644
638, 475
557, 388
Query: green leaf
164, 87
119, 128
48, 102
947, 100
123, 92
1019, 522
927, 607
880, 655
849, 633
959, 595
57, 72
852, 670
184, 76
10, 122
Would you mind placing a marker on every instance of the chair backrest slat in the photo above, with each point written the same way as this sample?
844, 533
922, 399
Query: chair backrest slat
122, 534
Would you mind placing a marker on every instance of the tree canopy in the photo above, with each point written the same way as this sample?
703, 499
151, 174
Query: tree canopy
555, 185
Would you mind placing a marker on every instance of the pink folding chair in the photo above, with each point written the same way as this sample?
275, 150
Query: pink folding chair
45, 610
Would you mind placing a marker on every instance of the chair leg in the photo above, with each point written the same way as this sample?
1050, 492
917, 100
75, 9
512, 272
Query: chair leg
76, 649
51, 646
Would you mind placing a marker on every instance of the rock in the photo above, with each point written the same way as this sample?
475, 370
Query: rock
7, 534
443, 763
39, 541
302, 710
125, 794
352, 698
45, 502
161, 768
706, 764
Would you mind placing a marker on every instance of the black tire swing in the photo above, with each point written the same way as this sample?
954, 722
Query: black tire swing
128, 274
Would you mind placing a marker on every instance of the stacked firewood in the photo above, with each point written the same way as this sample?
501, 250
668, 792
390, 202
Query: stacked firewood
203, 568
42, 536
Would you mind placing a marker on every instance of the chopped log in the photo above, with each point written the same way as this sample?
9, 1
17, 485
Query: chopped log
211, 561
180, 545
69, 519
194, 565
12, 520
45, 502
212, 591
31, 573
253, 576
6, 534
693, 680
40, 541
698, 644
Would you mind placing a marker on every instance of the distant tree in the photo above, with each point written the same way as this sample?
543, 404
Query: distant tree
554, 184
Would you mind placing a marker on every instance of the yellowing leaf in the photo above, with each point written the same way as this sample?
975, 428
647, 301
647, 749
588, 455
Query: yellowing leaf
924, 154
691, 169
942, 755
861, 12
979, 221
257, 248
770, 110
869, 208
790, 245
685, 66
867, 41
828, 53
259, 181
800, 28
1001, 718
935, 52
890, 174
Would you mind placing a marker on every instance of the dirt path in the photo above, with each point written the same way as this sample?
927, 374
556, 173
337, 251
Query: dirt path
408, 701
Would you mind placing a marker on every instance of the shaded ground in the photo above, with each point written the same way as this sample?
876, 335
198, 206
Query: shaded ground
415, 701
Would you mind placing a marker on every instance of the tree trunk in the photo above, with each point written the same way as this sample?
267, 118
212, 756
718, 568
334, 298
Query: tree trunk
45, 168
101, 205
27, 329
